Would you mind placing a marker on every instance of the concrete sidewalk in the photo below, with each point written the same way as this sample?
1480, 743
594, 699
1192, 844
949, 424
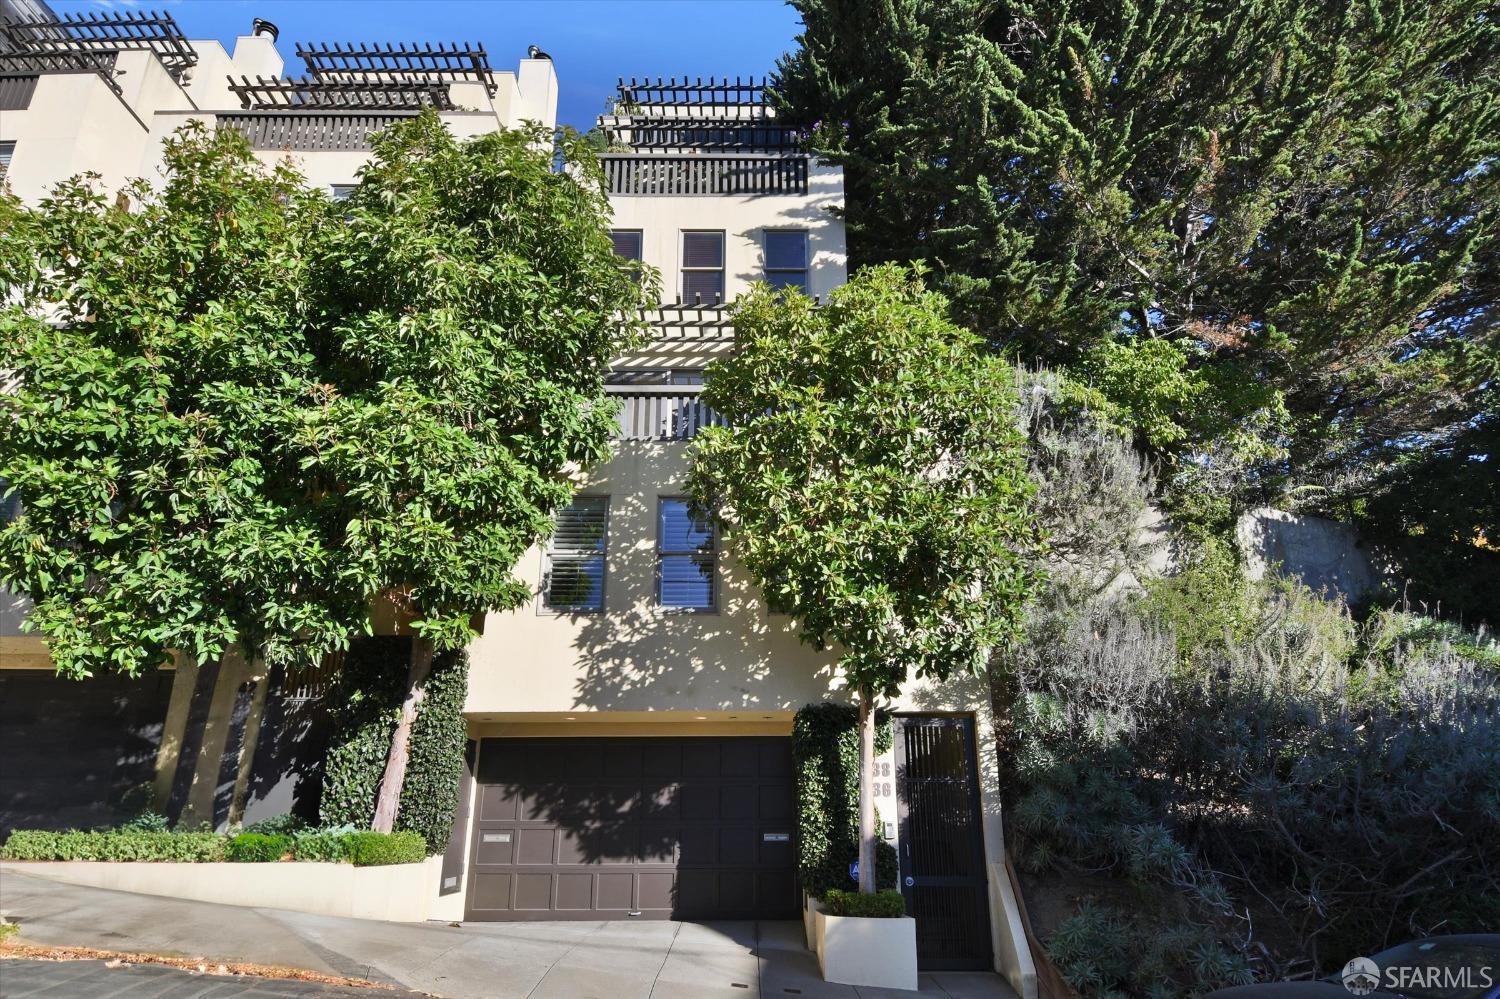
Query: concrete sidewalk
541, 960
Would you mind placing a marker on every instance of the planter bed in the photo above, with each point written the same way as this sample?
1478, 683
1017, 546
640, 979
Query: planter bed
395, 892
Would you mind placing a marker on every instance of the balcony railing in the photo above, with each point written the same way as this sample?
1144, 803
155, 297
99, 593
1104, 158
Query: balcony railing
688, 175
662, 412
310, 130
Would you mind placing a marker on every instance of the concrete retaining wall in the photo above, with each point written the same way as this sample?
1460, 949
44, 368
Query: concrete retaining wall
400, 893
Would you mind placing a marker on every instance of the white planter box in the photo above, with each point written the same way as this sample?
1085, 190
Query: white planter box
810, 909
398, 892
879, 953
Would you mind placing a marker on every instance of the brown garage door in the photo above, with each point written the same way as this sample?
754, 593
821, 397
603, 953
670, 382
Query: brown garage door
686, 828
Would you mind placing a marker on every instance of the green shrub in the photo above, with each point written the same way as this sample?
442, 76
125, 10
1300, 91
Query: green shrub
258, 848
322, 845
279, 825
825, 757
368, 699
373, 849
119, 845
30, 844
1350, 773
147, 821
887, 904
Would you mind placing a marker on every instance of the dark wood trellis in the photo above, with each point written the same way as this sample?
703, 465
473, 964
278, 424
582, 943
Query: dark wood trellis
695, 93
80, 36
374, 64
264, 93
645, 133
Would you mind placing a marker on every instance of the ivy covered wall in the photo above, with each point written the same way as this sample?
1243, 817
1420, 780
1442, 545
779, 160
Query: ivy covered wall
825, 758
365, 705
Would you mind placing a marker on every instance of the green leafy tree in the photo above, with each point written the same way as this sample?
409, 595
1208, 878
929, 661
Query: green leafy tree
246, 414
466, 310
156, 357
1268, 221
873, 482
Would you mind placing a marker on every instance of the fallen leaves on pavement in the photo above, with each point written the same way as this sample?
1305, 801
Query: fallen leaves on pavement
12, 948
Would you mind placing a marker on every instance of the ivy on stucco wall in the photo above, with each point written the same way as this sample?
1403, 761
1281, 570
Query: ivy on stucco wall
825, 757
366, 703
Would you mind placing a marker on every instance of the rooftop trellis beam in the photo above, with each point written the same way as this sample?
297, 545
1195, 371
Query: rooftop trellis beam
345, 63
697, 92
264, 93
119, 31
647, 133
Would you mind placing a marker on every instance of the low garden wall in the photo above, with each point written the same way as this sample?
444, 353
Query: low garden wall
396, 892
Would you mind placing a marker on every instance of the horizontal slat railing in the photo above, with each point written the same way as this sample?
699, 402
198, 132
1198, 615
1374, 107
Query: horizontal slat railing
308, 129
688, 175
662, 412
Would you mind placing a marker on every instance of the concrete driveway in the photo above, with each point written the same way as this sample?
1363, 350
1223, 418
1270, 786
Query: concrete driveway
565, 960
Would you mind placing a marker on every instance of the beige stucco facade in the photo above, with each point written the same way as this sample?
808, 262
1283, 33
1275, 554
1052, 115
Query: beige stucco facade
736, 660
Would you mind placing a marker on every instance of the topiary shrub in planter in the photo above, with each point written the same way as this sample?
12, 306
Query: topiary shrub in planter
367, 700
866, 940
888, 904
258, 848
373, 849
825, 757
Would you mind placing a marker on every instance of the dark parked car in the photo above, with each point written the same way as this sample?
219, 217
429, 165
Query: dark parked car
1454, 967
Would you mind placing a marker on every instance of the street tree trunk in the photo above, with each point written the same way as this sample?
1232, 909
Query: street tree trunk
866, 798
389, 798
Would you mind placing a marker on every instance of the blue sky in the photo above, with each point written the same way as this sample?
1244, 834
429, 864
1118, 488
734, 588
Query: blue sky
593, 42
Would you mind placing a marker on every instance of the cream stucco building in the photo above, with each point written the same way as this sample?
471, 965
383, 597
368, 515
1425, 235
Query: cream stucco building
630, 727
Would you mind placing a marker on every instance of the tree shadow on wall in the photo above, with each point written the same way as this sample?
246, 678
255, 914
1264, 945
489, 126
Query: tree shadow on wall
642, 657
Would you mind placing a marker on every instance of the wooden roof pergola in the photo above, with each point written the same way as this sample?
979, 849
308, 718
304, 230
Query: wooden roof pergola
695, 93
374, 64
649, 133
74, 39
275, 93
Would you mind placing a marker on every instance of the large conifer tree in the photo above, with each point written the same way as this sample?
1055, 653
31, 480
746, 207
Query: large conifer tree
1216, 209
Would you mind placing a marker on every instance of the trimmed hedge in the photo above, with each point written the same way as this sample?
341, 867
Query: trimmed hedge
825, 756
123, 844
367, 703
887, 904
373, 849
258, 848
359, 847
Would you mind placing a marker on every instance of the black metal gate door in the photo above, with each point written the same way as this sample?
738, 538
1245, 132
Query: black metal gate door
942, 845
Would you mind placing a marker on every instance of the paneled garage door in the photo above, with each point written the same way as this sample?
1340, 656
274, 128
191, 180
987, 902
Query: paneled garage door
683, 828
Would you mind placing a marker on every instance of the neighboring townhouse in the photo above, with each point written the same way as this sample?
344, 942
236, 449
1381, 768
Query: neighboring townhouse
630, 728
98, 93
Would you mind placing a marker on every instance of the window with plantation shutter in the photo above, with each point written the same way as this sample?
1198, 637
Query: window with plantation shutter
703, 267
786, 258
7, 150
575, 558
685, 555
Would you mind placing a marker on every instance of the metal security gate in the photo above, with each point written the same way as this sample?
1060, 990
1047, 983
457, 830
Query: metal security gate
615, 828
942, 845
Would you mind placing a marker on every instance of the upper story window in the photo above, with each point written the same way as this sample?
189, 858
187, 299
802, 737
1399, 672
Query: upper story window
685, 554
703, 266
341, 192
627, 243
786, 258
7, 150
576, 556
628, 247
